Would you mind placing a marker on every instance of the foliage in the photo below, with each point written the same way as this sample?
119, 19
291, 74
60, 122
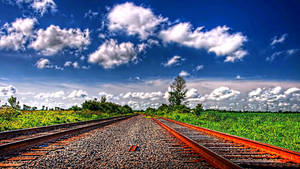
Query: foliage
103, 99
11, 119
75, 108
178, 91
13, 102
198, 109
280, 129
107, 107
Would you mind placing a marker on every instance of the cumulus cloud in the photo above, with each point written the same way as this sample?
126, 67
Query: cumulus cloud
43, 6
111, 54
173, 61
8, 90
280, 39
67, 64
222, 93
291, 90
184, 73
263, 95
217, 40
143, 95
45, 63
39, 6
17, 34
135, 20
78, 94
75, 65
58, 94
192, 93
54, 39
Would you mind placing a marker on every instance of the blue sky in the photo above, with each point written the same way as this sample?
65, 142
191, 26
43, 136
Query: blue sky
70, 52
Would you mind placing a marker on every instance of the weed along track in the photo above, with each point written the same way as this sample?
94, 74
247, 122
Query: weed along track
227, 151
20, 146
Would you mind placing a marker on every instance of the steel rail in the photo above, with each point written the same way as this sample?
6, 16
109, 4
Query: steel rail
7, 149
212, 158
27, 131
289, 155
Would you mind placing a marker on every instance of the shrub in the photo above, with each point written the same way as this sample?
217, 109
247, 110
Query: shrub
198, 109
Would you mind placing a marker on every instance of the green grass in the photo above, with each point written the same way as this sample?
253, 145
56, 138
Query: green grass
279, 129
11, 119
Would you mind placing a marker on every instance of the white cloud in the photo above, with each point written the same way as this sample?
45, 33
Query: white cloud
217, 40
8, 90
43, 63
58, 94
135, 20
42, 6
237, 55
280, 39
17, 33
255, 92
107, 95
39, 6
199, 67
292, 51
280, 53
184, 73
75, 65
273, 56
222, 93
143, 95
67, 64
291, 90
192, 93
111, 54
90, 14
54, 39
173, 61
238, 77
266, 95
78, 94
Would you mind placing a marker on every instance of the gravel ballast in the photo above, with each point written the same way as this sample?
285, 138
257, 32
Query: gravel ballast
108, 147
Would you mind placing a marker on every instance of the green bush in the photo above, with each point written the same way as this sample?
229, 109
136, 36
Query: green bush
198, 109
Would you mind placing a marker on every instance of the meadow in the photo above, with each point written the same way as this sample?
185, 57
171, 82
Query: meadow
11, 119
279, 129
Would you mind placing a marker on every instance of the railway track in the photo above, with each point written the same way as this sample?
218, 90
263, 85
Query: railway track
15, 142
227, 151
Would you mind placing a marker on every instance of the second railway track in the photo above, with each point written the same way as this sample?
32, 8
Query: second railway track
12, 142
227, 151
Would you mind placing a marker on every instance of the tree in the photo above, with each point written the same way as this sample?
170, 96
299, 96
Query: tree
178, 91
103, 99
198, 109
13, 102
25, 107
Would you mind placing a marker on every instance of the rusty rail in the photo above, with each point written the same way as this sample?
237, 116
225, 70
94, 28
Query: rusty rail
212, 158
28, 131
7, 149
289, 155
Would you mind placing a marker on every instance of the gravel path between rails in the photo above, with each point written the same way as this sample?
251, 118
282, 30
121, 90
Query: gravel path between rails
108, 148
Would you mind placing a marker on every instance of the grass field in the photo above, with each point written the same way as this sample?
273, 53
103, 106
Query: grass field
11, 119
278, 129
